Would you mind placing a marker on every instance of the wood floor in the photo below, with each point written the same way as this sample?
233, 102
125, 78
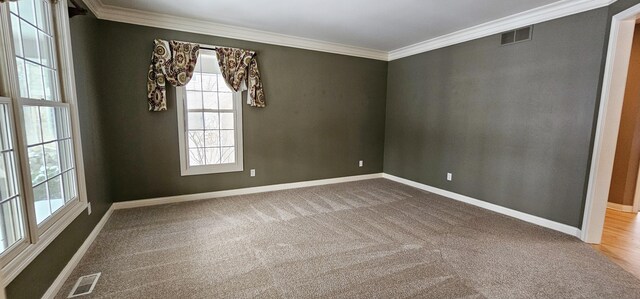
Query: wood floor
621, 240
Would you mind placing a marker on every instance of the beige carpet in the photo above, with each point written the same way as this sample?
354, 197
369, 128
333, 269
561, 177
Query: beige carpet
367, 239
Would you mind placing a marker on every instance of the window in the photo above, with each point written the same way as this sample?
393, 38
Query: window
41, 175
209, 121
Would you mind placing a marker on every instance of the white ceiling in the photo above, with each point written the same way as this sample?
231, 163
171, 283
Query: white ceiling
372, 24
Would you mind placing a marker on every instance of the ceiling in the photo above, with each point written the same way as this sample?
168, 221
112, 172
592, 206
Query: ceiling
371, 25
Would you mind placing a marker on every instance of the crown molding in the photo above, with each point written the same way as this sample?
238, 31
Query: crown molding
533, 16
138, 17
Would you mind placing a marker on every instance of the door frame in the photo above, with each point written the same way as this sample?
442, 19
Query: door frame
608, 122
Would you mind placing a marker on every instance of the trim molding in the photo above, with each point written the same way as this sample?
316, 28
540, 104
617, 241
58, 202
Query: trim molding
537, 15
233, 192
570, 230
619, 207
144, 18
533, 16
73, 262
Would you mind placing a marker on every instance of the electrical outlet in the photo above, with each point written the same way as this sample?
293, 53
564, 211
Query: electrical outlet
253, 172
89, 208
449, 176
360, 163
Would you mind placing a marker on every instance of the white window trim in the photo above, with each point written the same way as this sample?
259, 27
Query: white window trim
37, 238
185, 169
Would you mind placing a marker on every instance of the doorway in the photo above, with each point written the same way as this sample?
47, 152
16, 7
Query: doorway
608, 123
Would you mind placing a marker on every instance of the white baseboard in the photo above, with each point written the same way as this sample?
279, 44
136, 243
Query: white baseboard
216, 194
489, 206
71, 265
619, 207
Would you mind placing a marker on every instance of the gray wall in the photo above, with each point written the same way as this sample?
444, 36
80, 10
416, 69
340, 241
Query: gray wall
324, 113
38, 276
512, 123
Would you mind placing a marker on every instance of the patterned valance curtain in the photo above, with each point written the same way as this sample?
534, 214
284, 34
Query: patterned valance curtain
239, 68
172, 61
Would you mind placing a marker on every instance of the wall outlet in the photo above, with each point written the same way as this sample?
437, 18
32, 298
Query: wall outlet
360, 163
253, 172
89, 208
449, 176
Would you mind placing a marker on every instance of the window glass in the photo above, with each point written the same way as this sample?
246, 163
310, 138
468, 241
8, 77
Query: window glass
210, 115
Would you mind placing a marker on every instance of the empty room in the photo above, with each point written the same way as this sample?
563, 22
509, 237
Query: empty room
319, 149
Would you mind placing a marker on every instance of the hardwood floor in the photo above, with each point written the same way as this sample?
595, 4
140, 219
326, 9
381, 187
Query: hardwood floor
621, 240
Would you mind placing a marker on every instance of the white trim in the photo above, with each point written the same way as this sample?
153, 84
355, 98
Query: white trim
570, 230
619, 207
608, 123
144, 18
15, 266
533, 16
73, 262
216, 194
537, 15
185, 169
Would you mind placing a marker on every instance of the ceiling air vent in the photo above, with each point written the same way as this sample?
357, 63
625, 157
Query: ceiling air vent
84, 285
516, 36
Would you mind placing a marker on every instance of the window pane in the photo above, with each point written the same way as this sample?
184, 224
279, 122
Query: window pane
22, 78
222, 86
195, 121
35, 81
66, 154
32, 124
27, 10
13, 7
41, 203
196, 139
210, 100
195, 83
45, 42
209, 82
56, 198
209, 63
226, 100
52, 159
11, 209
227, 138
228, 155
212, 138
69, 184
211, 120
36, 164
42, 15
63, 122
50, 84
196, 157
11, 228
30, 41
213, 155
11, 174
194, 100
226, 121
5, 133
48, 123
17, 42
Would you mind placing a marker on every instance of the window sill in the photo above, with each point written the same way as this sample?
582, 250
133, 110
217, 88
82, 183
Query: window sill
24, 258
201, 170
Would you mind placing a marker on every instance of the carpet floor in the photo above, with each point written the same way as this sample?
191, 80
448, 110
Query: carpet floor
366, 239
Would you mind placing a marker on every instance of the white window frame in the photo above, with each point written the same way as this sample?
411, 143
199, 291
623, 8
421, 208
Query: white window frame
185, 169
38, 237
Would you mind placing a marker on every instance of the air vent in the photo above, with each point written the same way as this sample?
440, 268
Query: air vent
516, 36
84, 285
